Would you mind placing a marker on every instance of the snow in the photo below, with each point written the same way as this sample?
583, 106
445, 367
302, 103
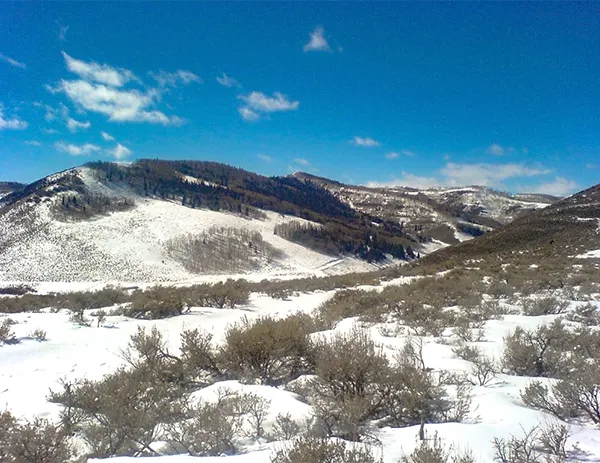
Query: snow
29, 369
595, 254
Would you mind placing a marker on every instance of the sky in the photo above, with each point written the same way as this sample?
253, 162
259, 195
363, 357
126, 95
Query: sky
505, 95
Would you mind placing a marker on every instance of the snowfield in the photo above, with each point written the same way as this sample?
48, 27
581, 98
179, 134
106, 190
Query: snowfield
29, 369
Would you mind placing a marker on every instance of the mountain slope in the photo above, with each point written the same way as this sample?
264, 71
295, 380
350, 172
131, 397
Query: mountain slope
447, 215
8, 187
78, 226
567, 228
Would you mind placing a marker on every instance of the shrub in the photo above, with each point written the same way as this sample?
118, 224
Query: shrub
6, 334
39, 335
37, 441
200, 361
544, 306
586, 314
274, 351
434, 452
285, 428
155, 303
537, 445
369, 305
122, 414
543, 352
211, 429
315, 450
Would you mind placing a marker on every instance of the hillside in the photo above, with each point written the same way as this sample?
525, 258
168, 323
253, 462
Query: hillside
566, 229
8, 187
448, 216
73, 227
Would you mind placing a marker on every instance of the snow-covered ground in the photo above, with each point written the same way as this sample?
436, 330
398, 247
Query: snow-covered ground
29, 369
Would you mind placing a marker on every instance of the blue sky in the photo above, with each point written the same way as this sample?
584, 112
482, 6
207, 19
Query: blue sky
420, 94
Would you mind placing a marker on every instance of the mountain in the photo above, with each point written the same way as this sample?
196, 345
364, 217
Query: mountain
8, 187
175, 220
446, 216
569, 228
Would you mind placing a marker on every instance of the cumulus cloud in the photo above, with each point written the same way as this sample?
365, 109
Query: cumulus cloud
119, 105
102, 73
120, 152
409, 180
265, 158
247, 114
560, 186
258, 103
368, 142
454, 175
11, 123
76, 150
317, 41
486, 174
227, 81
12, 62
107, 137
74, 125
172, 79
392, 155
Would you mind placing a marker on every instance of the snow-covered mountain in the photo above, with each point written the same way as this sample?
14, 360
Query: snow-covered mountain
39, 242
447, 215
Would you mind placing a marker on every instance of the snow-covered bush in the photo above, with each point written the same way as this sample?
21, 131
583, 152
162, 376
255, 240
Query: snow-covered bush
433, 451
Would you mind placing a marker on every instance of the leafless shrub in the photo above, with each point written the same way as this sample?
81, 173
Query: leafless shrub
39, 335
155, 303
200, 361
369, 305
285, 428
433, 451
537, 445
467, 353
6, 334
484, 370
122, 414
544, 306
273, 351
467, 330
36, 441
575, 396
543, 352
100, 317
78, 317
310, 449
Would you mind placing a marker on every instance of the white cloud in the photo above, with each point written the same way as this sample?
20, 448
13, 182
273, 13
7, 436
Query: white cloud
498, 150
486, 174
455, 175
33, 143
118, 105
172, 79
74, 125
302, 161
227, 81
317, 41
76, 150
62, 31
247, 114
369, 142
107, 137
259, 102
50, 131
102, 73
408, 180
12, 62
11, 123
120, 151
560, 186
407, 153
265, 158
392, 155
